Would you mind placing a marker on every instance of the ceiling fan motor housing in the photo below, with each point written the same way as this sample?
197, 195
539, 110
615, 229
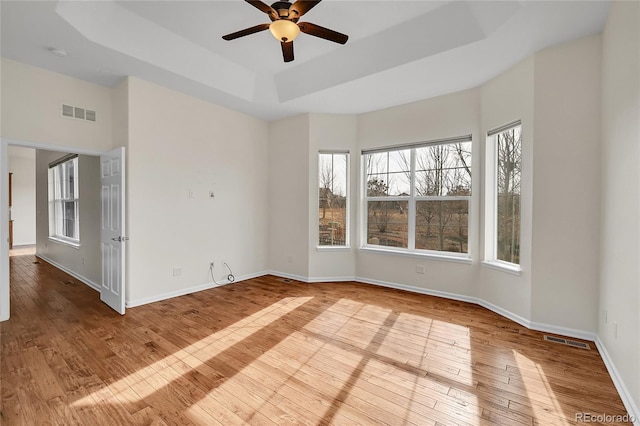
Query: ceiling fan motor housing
282, 7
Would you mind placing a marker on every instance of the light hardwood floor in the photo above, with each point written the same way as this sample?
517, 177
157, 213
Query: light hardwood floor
267, 352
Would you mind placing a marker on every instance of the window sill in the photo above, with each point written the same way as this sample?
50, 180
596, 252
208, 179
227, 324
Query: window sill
65, 242
333, 248
430, 256
510, 268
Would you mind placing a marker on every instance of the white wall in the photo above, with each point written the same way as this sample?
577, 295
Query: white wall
293, 196
120, 113
22, 163
180, 148
506, 98
332, 132
566, 187
84, 261
288, 183
447, 116
32, 101
620, 221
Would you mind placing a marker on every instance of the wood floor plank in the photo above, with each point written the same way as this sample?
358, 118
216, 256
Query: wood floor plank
148, 417
264, 352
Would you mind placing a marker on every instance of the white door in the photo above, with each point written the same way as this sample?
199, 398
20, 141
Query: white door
112, 236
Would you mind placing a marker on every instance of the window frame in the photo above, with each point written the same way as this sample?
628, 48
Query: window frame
491, 200
412, 199
56, 169
347, 224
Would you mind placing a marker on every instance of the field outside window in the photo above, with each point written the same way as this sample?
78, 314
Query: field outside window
333, 199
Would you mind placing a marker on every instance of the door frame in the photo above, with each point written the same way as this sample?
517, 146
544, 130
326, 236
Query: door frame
5, 308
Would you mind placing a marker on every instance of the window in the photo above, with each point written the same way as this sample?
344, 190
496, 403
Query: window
63, 200
417, 197
509, 144
333, 202
505, 168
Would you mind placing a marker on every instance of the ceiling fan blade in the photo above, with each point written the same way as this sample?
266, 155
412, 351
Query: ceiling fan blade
246, 32
303, 6
264, 8
287, 51
325, 33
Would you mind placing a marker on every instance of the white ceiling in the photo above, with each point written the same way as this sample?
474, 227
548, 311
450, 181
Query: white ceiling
398, 51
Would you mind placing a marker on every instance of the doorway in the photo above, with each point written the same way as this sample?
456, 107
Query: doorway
50, 251
22, 197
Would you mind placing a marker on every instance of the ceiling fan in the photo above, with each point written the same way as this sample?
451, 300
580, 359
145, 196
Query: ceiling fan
285, 27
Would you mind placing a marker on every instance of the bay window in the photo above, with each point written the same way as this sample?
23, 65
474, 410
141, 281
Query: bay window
417, 197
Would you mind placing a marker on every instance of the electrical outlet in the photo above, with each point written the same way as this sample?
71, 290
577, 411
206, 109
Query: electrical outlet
419, 269
177, 272
615, 330
290, 259
191, 194
606, 316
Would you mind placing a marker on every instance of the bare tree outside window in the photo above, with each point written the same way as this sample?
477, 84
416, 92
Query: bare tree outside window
437, 180
388, 187
443, 191
332, 199
509, 165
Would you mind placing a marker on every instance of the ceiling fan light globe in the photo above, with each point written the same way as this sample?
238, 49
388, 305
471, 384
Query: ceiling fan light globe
284, 30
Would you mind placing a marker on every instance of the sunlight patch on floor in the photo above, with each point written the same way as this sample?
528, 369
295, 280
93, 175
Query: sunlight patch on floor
451, 339
315, 356
539, 390
146, 380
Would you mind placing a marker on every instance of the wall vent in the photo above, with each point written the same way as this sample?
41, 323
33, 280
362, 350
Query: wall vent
567, 342
67, 111
78, 112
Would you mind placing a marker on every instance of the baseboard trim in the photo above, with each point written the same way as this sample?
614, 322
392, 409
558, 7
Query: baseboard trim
290, 276
505, 313
185, 291
313, 279
74, 274
428, 292
330, 279
624, 393
564, 331
546, 328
